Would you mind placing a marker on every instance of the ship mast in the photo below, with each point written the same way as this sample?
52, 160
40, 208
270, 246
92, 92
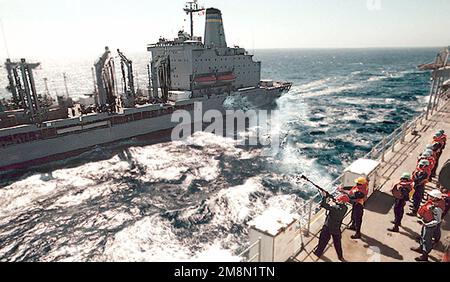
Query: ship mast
191, 8
65, 84
47, 92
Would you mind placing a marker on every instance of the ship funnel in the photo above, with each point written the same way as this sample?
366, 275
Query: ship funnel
214, 32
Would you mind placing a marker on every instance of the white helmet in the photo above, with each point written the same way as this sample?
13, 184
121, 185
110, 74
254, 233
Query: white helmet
435, 194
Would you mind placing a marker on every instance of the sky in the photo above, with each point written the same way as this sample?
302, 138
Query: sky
76, 28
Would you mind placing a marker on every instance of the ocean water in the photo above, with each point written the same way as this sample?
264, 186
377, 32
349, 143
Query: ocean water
178, 201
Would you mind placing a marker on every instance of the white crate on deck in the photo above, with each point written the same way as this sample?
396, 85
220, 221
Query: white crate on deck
278, 230
361, 168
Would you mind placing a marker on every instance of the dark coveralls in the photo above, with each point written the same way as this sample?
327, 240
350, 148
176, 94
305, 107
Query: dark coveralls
447, 205
419, 186
357, 211
332, 227
437, 148
399, 205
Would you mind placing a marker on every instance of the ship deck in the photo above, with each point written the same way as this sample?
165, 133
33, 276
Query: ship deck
377, 243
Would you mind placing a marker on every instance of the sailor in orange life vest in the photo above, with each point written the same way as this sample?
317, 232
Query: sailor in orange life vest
420, 178
442, 205
401, 192
428, 155
441, 137
432, 160
358, 196
431, 216
437, 149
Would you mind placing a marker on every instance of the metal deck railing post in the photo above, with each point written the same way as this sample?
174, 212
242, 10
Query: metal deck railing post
309, 217
436, 95
406, 126
431, 96
302, 246
383, 149
439, 94
393, 143
259, 249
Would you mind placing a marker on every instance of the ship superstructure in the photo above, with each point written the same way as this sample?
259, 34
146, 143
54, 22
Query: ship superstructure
187, 64
181, 72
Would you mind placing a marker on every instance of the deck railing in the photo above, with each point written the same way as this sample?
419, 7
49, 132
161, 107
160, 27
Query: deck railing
310, 208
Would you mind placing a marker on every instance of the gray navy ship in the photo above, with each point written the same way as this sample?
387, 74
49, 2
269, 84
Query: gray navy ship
182, 71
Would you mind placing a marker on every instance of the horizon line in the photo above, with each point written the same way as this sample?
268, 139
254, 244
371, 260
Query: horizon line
278, 48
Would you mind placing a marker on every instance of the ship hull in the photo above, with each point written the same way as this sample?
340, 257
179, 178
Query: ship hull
157, 129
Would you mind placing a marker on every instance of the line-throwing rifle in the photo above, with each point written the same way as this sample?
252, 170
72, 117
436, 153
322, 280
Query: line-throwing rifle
302, 177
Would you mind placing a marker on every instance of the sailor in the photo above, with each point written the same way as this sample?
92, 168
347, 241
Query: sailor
442, 205
431, 215
336, 212
441, 137
432, 159
427, 155
437, 149
420, 178
401, 192
358, 196
446, 195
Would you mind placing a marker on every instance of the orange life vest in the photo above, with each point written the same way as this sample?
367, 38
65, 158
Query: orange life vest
442, 139
363, 189
431, 159
428, 169
440, 204
397, 190
437, 152
426, 211
424, 181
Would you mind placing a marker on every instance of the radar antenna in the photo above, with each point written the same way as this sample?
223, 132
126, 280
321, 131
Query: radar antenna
191, 8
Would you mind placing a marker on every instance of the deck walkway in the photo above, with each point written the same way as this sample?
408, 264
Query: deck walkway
378, 244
